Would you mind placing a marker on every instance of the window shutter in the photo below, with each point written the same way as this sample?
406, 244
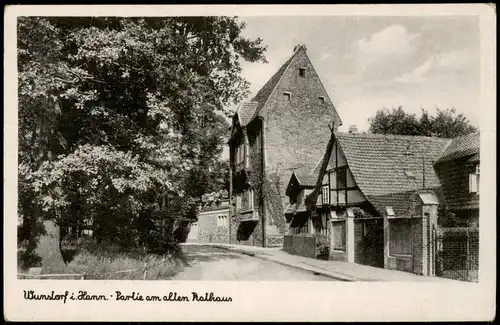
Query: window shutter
472, 183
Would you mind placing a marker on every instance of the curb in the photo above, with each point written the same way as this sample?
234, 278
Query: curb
315, 272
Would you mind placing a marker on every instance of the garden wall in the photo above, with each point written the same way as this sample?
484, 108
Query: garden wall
301, 245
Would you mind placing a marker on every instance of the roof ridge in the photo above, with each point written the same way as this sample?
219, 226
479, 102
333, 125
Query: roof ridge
466, 135
395, 136
276, 78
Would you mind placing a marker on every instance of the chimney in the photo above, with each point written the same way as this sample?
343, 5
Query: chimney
353, 129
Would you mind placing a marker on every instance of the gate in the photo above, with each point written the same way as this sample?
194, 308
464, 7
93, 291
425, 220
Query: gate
456, 252
369, 242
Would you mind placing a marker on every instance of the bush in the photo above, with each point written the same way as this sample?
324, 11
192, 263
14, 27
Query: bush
27, 259
322, 247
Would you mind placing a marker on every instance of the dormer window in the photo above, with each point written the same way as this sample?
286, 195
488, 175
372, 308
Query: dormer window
474, 180
287, 96
321, 99
302, 72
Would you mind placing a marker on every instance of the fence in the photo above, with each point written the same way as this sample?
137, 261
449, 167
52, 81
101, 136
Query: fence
274, 241
300, 245
456, 253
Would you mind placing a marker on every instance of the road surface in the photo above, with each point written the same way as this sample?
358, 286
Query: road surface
211, 264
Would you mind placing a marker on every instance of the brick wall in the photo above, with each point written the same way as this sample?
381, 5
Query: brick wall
302, 245
359, 256
417, 235
423, 250
297, 131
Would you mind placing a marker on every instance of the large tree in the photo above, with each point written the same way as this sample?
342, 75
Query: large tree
446, 123
117, 114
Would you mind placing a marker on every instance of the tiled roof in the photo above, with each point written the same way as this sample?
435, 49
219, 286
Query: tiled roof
266, 91
460, 147
380, 163
474, 158
401, 203
290, 209
302, 207
318, 165
308, 180
246, 111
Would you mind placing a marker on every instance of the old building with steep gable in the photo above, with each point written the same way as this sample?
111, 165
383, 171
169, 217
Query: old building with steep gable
281, 130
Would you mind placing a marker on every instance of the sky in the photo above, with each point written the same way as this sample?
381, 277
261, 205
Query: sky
367, 63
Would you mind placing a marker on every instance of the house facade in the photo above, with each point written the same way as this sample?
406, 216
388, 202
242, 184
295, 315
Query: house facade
376, 200
281, 130
211, 226
458, 172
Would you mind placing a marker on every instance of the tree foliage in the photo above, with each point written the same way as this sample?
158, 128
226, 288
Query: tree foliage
121, 119
446, 123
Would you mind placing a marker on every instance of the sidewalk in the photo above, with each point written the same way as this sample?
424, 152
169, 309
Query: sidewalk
338, 270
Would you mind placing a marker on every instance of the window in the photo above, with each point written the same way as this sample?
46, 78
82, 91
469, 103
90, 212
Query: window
87, 227
325, 194
474, 181
302, 72
241, 153
287, 96
342, 178
400, 237
246, 201
247, 153
321, 99
339, 235
222, 221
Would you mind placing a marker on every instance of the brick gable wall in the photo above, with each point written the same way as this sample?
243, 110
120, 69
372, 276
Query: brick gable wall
296, 131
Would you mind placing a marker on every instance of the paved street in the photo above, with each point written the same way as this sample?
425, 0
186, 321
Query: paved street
211, 263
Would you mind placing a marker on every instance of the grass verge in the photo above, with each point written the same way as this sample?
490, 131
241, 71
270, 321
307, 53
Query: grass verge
104, 262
